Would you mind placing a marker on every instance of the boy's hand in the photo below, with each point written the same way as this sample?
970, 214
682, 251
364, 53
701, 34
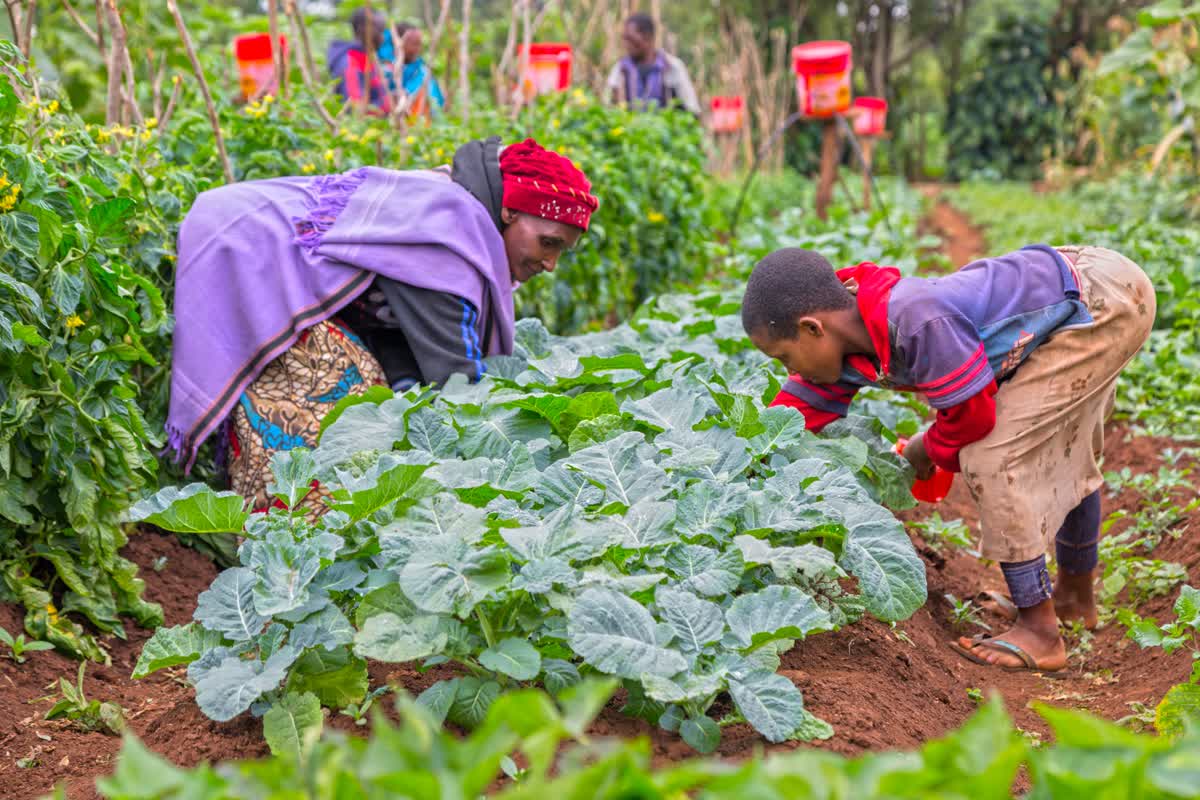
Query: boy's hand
914, 451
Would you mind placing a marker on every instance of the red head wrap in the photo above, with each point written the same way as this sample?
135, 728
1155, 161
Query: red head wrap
540, 182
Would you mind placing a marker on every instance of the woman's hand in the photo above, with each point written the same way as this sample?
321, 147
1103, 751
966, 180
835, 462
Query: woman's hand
914, 451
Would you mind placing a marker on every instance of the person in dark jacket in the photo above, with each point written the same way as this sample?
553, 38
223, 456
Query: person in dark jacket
356, 66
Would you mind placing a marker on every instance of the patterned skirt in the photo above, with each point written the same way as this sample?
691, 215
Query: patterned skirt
284, 407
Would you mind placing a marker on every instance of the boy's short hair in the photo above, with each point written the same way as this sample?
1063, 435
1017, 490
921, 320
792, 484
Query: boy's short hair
789, 284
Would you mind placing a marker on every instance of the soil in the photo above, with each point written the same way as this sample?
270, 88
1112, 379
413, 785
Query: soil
880, 687
962, 242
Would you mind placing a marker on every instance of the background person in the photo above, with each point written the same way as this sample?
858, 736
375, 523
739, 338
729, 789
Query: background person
360, 80
648, 77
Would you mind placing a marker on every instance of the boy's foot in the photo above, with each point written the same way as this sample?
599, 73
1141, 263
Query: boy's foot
1075, 599
1033, 643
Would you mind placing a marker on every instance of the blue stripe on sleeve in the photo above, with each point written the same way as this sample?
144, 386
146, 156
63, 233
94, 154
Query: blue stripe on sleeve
471, 338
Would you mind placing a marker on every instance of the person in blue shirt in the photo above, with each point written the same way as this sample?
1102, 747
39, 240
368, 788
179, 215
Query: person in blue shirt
410, 72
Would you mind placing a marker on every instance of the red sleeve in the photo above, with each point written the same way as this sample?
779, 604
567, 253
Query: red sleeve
814, 418
960, 425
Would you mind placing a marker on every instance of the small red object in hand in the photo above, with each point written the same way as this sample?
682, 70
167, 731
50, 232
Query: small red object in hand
933, 490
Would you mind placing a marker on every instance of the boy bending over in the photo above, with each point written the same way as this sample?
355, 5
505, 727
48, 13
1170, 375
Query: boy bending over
1019, 356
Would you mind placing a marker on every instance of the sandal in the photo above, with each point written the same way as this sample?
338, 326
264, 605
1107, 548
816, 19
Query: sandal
1028, 663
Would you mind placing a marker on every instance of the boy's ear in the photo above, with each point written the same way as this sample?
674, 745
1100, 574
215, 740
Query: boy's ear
811, 325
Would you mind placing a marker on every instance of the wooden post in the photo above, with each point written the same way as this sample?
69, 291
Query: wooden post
829, 154
281, 87
867, 143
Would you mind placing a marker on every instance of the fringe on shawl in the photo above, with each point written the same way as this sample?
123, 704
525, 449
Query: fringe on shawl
331, 193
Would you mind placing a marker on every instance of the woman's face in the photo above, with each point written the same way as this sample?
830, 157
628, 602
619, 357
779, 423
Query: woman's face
533, 244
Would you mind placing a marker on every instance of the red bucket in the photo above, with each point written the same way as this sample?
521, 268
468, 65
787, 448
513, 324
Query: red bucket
728, 114
256, 66
822, 77
870, 116
547, 67
933, 490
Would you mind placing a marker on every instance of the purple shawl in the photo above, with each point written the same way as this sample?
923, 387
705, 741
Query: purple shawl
261, 261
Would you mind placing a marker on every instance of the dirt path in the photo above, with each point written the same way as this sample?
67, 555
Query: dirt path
962, 242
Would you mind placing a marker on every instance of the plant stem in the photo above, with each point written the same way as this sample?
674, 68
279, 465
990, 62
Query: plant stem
173, 7
486, 627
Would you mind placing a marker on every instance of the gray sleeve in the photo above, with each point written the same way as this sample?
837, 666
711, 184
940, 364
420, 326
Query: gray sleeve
685, 92
442, 330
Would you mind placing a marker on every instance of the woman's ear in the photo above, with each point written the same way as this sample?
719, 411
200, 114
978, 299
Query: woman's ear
508, 216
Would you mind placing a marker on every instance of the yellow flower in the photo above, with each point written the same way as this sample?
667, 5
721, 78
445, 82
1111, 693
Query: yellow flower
146, 136
654, 217
151, 123
268, 99
411, 140
329, 156
52, 107
74, 321
617, 131
102, 136
308, 169
438, 153
554, 123
4, 181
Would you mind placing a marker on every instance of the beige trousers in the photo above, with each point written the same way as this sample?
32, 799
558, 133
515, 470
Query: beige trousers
1040, 460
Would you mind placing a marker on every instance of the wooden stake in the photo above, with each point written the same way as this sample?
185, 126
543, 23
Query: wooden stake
277, 49
305, 61
173, 7
308, 68
81, 22
867, 143
464, 62
121, 46
829, 154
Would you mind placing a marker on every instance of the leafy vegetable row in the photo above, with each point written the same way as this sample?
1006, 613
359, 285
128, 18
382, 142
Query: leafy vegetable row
619, 503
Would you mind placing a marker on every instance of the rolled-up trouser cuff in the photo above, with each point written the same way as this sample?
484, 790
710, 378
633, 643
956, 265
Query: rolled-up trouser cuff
1076, 547
1028, 581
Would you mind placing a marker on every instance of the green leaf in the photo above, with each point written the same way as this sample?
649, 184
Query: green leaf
696, 623
428, 430
65, 289
784, 428
472, 701
178, 644
106, 217
438, 698
891, 576
285, 567
228, 685
668, 409
390, 479
770, 703
387, 637
227, 606
336, 677
516, 658
705, 571
1178, 709
616, 635
1187, 607
194, 509
558, 675
447, 574
294, 472
327, 628
141, 773
595, 431
293, 726
776, 612
624, 466
701, 733
647, 523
